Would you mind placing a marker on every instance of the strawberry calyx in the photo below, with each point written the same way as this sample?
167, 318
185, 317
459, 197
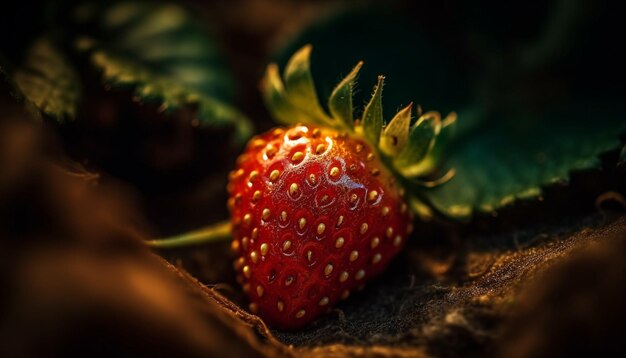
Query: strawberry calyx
409, 148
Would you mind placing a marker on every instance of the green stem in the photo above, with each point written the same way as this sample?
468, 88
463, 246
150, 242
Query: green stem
214, 233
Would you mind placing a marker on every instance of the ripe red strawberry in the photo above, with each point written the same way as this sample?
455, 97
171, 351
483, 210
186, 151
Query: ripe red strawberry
322, 206
315, 214
318, 208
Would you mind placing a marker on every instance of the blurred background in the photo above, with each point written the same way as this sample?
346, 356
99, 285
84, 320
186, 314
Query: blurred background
119, 122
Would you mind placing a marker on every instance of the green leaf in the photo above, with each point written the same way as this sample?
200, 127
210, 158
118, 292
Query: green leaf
340, 101
372, 121
504, 161
48, 81
160, 53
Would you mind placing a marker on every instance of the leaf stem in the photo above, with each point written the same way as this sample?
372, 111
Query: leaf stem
214, 233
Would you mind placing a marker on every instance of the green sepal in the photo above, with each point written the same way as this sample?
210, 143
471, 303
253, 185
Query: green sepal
446, 135
410, 162
434, 156
372, 120
395, 136
423, 210
300, 88
340, 101
276, 98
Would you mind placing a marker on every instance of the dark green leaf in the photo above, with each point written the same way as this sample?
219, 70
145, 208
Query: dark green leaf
503, 161
163, 55
48, 81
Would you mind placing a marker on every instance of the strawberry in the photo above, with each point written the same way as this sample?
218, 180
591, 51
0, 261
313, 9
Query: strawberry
318, 208
315, 214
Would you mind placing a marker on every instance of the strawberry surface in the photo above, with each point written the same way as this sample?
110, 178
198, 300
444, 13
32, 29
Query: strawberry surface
315, 214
